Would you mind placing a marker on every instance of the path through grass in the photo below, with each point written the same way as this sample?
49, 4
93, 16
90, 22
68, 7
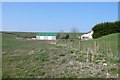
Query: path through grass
41, 59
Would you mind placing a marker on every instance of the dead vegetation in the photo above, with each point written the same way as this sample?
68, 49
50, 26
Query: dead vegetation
65, 59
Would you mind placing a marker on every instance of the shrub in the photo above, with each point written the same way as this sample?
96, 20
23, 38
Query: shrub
63, 36
106, 28
61, 54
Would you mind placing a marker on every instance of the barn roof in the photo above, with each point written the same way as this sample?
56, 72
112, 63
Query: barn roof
46, 34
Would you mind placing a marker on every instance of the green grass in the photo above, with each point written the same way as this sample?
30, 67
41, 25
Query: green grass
107, 45
41, 59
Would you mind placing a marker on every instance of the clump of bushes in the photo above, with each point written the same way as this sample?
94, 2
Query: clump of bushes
63, 36
106, 28
61, 54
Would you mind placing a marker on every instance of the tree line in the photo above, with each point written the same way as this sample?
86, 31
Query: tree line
106, 28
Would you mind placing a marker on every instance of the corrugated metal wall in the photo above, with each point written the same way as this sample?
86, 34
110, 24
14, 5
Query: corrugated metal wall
46, 37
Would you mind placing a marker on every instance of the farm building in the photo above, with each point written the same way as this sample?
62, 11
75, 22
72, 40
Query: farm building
87, 36
46, 36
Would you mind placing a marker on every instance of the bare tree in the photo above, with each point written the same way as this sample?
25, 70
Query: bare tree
75, 37
74, 31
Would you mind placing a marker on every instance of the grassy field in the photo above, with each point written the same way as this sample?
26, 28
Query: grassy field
24, 58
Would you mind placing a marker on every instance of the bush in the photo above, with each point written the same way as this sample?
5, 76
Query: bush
106, 28
63, 36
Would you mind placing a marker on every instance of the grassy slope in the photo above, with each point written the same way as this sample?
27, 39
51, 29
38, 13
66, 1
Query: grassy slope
107, 45
27, 58
17, 54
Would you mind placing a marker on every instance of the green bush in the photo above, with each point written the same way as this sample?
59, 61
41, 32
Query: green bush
63, 36
106, 28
